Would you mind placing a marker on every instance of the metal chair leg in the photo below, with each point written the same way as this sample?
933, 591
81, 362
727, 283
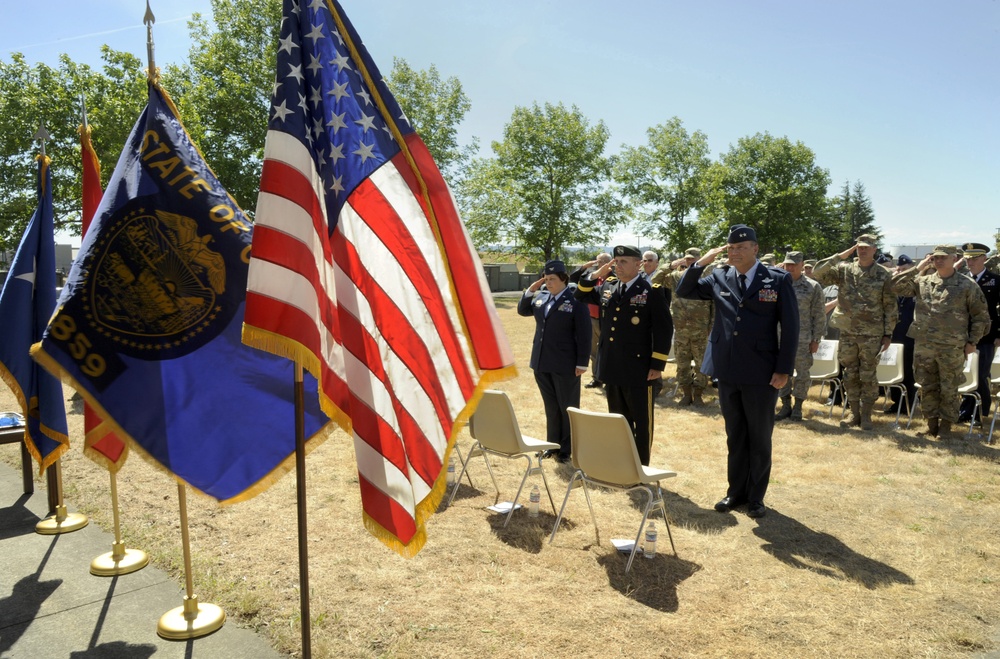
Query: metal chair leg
562, 509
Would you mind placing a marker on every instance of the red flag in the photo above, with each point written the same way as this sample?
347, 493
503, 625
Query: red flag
100, 444
362, 270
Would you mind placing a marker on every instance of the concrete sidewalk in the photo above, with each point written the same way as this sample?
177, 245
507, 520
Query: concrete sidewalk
52, 607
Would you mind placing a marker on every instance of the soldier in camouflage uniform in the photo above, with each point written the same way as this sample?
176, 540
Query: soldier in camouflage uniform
692, 325
949, 320
865, 315
812, 324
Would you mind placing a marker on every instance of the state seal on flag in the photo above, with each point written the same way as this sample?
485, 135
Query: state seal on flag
156, 284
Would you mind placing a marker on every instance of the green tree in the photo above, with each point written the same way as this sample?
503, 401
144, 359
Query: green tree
663, 181
223, 93
853, 213
435, 108
547, 187
29, 95
769, 183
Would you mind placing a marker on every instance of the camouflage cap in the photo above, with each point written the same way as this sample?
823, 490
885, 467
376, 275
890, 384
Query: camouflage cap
794, 257
867, 240
810, 262
692, 252
944, 250
767, 259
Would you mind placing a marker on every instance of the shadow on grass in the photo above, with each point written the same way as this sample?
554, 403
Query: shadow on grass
525, 532
797, 545
652, 582
685, 514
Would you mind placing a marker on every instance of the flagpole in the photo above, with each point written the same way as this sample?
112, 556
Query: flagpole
300, 497
192, 620
60, 521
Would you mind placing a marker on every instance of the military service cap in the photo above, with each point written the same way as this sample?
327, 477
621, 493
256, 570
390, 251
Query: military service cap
972, 250
883, 259
904, 260
692, 252
794, 257
554, 267
867, 240
739, 233
944, 250
627, 250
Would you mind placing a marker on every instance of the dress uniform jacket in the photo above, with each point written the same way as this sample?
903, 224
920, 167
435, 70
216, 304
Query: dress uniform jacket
744, 347
989, 283
562, 339
636, 329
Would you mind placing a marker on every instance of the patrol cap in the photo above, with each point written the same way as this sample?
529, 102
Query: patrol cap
944, 250
692, 252
904, 260
811, 262
554, 267
740, 233
767, 259
972, 250
867, 240
627, 250
794, 257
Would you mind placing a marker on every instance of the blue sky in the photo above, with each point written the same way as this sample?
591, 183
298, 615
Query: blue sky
903, 95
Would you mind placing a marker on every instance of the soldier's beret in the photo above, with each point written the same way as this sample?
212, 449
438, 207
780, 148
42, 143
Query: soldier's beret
971, 250
627, 250
554, 267
739, 233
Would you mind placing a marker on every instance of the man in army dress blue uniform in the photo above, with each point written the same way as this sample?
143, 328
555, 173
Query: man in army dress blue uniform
635, 339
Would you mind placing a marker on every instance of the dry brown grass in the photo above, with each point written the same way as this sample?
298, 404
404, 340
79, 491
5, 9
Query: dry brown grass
878, 544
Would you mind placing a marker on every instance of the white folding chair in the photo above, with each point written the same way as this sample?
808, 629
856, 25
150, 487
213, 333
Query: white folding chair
826, 368
494, 428
890, 375
604, 455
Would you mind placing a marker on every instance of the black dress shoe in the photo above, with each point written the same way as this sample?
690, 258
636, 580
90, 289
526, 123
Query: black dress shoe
593, 384
728, 503
756, 510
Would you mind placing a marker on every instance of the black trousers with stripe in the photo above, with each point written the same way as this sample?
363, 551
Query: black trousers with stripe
636, 405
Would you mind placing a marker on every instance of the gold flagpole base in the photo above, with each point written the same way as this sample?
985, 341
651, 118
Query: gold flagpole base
61, 522
193, 620
118, 561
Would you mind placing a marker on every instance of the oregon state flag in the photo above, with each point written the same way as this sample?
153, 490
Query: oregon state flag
148, 328
26, 304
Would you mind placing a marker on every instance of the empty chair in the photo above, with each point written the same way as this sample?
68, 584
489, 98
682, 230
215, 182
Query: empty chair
494, 428
826, 368
604, 454
890, 375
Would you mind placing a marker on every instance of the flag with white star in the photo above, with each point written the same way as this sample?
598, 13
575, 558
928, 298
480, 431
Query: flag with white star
148, 328
362, 271
26, 304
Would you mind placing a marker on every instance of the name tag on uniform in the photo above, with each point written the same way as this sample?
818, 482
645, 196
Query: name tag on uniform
767, 295
725, 293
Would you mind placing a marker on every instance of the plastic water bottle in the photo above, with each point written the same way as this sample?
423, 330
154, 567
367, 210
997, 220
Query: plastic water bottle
533, 500
451, 470
649, 548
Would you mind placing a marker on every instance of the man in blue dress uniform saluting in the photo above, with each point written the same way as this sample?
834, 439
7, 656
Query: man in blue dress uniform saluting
748, 356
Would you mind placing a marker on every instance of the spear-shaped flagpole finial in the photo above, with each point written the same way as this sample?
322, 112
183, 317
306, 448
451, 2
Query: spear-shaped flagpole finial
149, 19
83, 111
42, 135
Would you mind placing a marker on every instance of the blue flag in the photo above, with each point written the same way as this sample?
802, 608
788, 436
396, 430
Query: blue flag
148, 328
26, 304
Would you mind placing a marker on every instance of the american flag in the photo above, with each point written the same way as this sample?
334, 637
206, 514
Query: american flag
362, 271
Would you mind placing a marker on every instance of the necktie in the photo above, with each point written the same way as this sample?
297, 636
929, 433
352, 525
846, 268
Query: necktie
743, 285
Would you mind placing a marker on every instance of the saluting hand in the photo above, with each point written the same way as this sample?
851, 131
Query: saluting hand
535, 285
710, 255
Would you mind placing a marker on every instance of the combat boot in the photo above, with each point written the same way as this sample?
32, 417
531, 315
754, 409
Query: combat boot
866, 416
786, 409
855, 419
944, 428
686, 398
797, 410
932, 428
696, 396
